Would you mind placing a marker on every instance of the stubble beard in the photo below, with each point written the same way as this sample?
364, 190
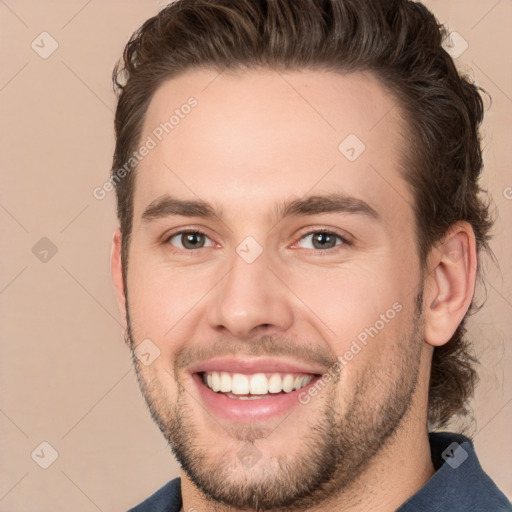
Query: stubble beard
338, 449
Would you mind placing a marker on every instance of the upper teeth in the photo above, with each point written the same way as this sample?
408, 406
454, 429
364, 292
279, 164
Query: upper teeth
256, 384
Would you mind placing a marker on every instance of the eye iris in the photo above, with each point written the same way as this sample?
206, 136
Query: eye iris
324, 241
192, 240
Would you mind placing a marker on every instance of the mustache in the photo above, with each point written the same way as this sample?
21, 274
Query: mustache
266, 345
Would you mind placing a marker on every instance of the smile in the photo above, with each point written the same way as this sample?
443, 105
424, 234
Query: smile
251, 390
254, 386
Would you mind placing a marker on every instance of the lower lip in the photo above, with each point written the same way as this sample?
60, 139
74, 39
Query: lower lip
237, 410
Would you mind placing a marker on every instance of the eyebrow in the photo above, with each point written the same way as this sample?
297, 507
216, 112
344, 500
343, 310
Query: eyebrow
168, 206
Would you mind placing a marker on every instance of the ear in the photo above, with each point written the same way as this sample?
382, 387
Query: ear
450, 284
116, 269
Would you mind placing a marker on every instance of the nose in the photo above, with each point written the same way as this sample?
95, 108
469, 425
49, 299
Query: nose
251, 299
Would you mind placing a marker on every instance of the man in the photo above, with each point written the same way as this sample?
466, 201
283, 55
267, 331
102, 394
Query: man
300, 224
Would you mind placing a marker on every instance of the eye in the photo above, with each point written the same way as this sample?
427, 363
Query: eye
322, 240
190, 240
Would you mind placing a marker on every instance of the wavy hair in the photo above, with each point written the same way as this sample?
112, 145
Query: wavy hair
400, 43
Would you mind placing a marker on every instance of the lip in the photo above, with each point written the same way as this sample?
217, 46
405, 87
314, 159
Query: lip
248, 366
249, 411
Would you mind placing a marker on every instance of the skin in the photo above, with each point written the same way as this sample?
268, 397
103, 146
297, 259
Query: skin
255, 140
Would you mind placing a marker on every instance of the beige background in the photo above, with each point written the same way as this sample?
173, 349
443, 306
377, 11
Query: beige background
65, 371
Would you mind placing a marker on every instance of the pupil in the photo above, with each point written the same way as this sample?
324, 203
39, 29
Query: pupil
192, 240
323, 240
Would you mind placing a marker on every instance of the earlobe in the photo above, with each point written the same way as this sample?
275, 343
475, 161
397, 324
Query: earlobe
450, 284
116, 269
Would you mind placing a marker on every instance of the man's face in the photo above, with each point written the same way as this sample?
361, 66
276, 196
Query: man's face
293, 293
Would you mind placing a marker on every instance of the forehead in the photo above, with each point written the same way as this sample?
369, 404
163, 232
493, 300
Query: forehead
246, 140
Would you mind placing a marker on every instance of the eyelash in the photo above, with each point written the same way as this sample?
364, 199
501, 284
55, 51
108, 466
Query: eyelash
344, 241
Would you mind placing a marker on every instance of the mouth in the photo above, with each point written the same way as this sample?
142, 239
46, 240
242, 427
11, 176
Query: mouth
240, 386
248, 391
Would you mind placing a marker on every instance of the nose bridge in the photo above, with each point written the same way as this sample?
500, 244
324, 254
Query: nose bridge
250, 296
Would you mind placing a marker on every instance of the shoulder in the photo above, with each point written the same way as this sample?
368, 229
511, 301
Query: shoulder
459, 482
165, 499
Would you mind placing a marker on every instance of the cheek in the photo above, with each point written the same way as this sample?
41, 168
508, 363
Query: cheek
163, 301
350, 299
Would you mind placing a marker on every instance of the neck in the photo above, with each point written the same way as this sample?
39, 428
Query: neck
401, 468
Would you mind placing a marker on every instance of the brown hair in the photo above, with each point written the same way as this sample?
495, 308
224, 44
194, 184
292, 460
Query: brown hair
399, 42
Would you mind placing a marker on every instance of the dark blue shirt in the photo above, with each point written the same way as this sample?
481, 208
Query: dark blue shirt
459, 484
